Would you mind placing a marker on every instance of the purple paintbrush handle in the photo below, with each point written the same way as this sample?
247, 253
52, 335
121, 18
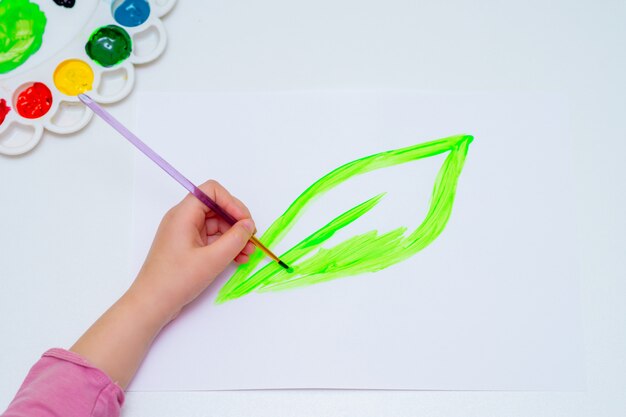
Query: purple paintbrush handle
210, 203
146, 150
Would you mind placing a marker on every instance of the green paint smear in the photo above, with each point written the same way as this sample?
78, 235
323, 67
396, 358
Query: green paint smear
367, 252
22, 25
109, 45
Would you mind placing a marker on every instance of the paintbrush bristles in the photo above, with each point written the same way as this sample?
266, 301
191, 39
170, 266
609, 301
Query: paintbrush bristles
268, 252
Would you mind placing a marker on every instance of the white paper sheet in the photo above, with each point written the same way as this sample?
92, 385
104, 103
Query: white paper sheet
492, 304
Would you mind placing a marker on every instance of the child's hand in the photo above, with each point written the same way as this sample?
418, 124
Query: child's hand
190, 249
193, 246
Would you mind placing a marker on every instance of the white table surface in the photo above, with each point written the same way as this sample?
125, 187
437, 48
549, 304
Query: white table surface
65, 207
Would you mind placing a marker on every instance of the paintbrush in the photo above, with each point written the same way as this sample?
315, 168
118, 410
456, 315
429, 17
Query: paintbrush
173, 172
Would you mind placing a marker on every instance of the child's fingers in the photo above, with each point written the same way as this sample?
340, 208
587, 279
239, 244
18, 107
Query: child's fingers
245, 212
249, 249
242, 259
215, 228
212, 238
246, 251
217, 225
212, 189
229, 246
221, 196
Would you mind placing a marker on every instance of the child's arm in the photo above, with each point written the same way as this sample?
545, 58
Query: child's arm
190, 249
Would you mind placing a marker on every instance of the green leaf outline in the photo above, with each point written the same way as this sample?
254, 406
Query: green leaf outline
367, 252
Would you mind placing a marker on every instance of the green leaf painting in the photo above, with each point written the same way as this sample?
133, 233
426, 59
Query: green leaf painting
368, 252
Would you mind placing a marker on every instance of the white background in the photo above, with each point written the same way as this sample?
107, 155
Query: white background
65, 208
492, 303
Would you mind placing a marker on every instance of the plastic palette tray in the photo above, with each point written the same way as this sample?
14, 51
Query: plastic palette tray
77, 39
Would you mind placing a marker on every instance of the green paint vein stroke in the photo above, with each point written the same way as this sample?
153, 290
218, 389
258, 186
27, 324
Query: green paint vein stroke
367, 252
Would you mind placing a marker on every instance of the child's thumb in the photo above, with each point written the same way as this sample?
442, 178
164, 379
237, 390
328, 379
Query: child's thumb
222, 252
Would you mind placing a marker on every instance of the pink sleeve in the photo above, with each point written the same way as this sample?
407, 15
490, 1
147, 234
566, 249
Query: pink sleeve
63, 384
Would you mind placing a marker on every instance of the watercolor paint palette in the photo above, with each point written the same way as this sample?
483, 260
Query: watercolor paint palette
53, 50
